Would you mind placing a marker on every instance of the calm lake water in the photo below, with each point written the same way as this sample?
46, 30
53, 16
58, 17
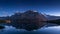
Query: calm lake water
47, 29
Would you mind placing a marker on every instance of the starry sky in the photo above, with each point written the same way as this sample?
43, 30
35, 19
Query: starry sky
49, 7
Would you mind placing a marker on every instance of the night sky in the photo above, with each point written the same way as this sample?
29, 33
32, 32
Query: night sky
49, 7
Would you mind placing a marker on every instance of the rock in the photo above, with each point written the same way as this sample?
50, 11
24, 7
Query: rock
2, 27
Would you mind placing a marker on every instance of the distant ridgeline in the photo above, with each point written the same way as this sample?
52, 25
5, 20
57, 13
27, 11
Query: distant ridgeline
28, 20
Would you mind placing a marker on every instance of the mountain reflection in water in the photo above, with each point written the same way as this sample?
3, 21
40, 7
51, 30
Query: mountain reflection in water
44, 30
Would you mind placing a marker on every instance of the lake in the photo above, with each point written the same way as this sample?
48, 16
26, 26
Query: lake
47, 29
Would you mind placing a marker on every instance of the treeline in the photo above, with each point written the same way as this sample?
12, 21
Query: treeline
2, 21
54, 21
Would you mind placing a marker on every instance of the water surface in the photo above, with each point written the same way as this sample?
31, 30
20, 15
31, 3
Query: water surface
44, 30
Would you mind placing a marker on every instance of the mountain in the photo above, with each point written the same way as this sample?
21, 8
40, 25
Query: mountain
2, 18
49, 17
28, 20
